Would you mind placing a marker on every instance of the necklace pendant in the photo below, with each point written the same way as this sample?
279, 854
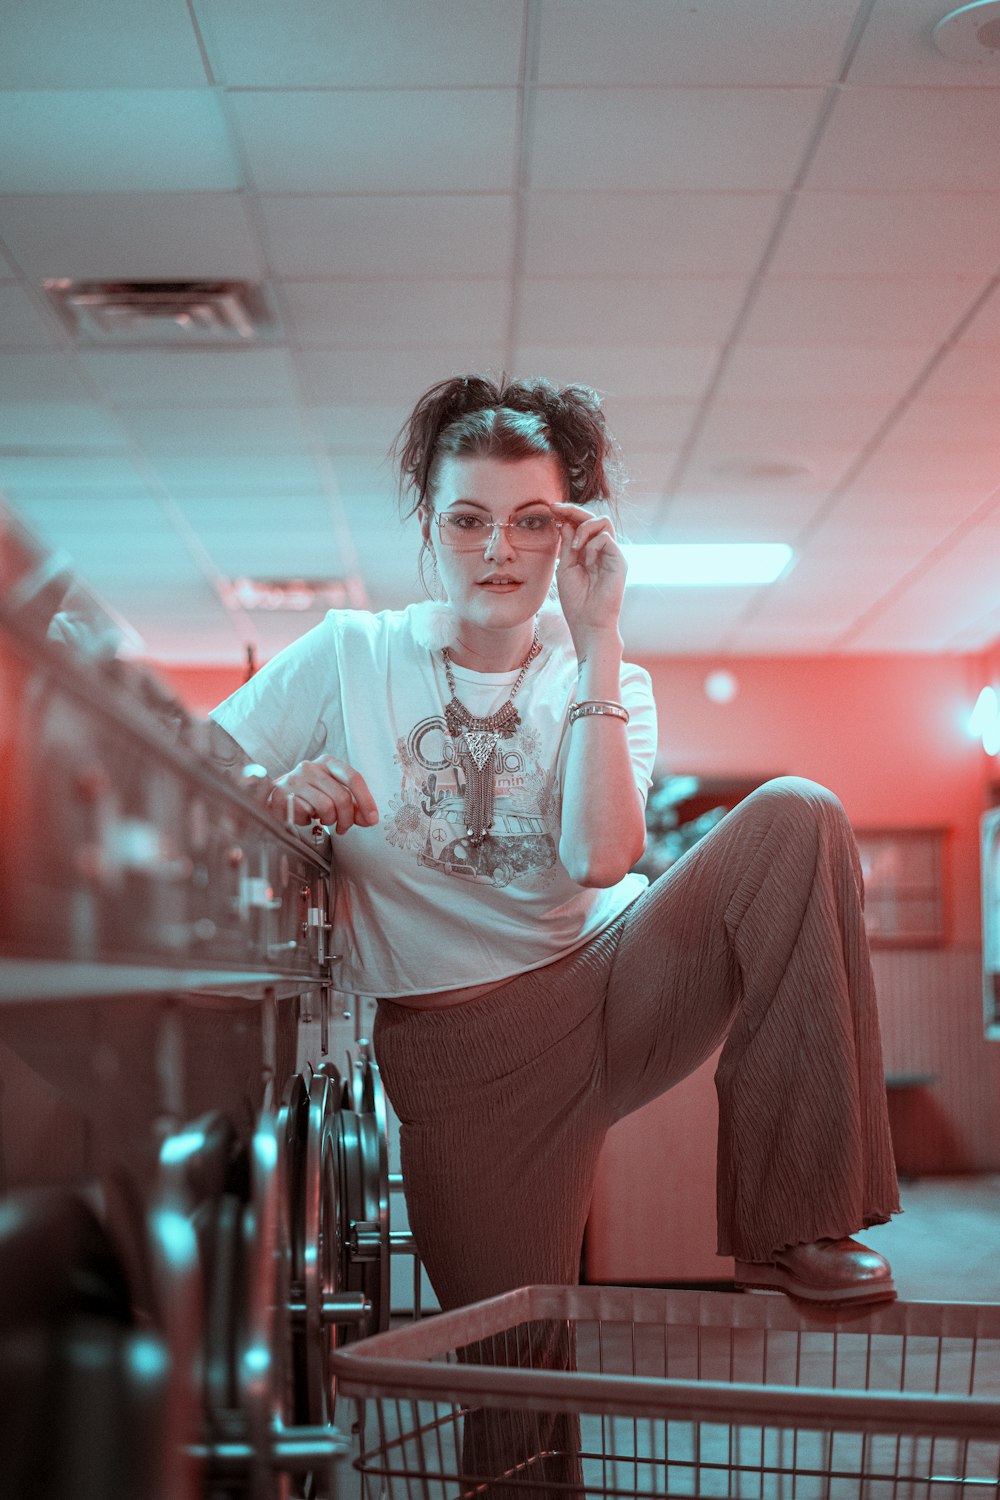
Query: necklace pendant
482, 743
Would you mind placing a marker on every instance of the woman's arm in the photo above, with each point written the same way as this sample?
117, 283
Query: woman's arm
603, 819
275, 719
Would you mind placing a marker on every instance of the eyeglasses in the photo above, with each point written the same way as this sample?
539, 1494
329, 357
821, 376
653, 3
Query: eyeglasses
538, 531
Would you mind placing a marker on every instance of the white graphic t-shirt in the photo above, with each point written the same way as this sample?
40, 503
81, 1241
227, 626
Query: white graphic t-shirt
416, 908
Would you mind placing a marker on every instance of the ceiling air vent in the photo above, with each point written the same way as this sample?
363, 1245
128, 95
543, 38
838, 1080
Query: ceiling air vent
160, 312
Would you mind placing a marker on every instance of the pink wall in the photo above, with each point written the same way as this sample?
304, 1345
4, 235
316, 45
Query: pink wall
886, 733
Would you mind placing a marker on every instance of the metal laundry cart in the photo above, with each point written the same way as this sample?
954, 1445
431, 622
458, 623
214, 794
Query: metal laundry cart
622, 1391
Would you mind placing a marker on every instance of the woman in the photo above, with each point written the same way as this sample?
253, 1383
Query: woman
484, 763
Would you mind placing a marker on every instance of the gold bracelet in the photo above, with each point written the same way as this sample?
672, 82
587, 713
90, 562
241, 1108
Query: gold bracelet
588, 706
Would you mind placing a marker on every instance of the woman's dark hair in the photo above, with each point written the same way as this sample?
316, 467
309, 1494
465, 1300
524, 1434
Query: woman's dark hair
478, 416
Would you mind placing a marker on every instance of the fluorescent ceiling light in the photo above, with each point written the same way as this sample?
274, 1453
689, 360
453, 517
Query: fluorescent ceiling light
704, 564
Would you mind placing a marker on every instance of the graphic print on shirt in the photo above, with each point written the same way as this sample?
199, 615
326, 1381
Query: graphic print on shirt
427, 816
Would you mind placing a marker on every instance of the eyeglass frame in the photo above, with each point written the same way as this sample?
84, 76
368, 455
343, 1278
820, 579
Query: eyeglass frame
495, 526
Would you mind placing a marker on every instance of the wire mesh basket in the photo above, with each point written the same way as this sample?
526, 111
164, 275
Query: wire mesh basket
628, 1392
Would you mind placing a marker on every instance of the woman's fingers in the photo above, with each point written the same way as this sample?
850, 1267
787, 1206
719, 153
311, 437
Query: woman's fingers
329, 790
581, 527
365, 812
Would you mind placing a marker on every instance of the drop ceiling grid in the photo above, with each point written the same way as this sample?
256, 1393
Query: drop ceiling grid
656, 369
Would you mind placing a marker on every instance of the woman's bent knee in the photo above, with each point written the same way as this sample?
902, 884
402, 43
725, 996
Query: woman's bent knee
797, 794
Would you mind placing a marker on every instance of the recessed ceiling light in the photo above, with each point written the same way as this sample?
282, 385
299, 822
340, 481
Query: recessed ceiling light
971, 34
704, 564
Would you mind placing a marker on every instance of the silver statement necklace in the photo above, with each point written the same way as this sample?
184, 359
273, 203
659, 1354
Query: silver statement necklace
476, 742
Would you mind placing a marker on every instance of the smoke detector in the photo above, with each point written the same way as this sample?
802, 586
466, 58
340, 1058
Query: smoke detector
157, 312
971, 34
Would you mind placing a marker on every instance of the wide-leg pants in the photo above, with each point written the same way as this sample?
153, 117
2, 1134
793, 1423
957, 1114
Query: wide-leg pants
756, 935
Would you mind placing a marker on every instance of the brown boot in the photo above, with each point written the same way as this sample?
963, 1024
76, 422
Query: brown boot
830, 1271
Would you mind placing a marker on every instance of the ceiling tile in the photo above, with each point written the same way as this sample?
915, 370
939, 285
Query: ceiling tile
768, 516
653, 426
984, 330
646, 234
251, 473
885, 516
243, 431
397, 314
102, 44
647, 472
787, 429
917, 458
337, 43
713, 139
153, 377
128, 517
385, 376
897, 48
969, 371
873, 507
395, 235
379, 140
71, 478
858, 311
727, 42
144, 550
354, 427
927, 139
940, 599
611, 310
131, 236
836, 584
680, 619
916, 233
29, 375
54, 425
25, 322
831, 371
362, 481
952, 419
664, 372
216, 514
299, 553
100, 141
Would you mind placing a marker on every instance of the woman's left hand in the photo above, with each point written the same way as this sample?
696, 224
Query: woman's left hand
591, 573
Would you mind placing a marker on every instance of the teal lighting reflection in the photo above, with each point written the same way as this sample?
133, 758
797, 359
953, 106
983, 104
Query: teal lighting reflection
178, 1148
176, 1236
147, 1358
266, 1147
704, 564
257, 1360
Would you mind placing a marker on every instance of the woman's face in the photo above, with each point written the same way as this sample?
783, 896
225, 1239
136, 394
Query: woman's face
500, 583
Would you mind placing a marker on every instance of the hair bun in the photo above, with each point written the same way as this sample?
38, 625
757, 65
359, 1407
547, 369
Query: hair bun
572, 419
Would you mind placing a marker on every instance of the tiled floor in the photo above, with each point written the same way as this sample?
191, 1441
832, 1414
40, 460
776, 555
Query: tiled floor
945, 1246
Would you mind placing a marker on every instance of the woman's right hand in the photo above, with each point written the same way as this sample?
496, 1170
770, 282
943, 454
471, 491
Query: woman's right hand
327, 790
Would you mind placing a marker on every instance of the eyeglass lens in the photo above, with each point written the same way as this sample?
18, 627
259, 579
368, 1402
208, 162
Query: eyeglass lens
533, 533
